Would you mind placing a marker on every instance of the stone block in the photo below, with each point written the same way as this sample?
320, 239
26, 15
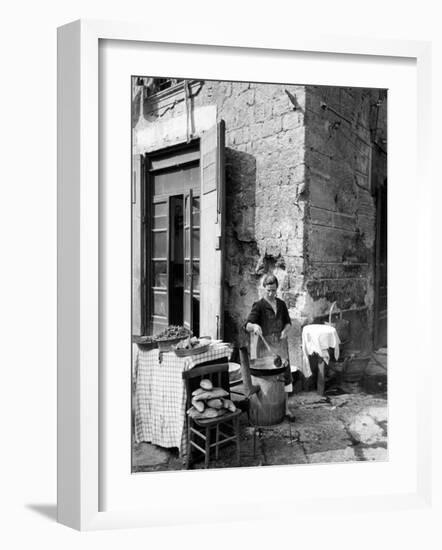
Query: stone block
361, 160
262, 111
328, 244
379, 413
271, 127
246, 134
284, 451
292, 141
307, 398
379, 454
292, 157
282, 106
290, 121
239, 87
362, 180
344, 221
256, 131
365, 429
333, 456
250, 97
321, 216
295, 247
316, 160
325, 435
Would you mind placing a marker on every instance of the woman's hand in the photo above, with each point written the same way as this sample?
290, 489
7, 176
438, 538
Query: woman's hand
253, 327
284, 334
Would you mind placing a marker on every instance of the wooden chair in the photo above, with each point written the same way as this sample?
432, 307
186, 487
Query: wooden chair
206, 434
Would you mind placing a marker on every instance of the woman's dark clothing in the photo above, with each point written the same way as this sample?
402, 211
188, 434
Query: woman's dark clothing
264, 315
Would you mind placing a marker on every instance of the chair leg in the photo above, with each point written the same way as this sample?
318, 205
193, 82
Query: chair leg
217, 442
188, 446
321, 377
254, 441
207, 453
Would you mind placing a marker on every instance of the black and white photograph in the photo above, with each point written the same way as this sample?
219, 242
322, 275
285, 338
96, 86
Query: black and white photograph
259, 274
221, 275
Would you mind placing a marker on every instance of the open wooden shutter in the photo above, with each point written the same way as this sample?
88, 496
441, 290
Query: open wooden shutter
159, 264
212, 232
137, 291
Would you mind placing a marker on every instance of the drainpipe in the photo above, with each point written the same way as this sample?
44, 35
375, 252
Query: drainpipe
188, 120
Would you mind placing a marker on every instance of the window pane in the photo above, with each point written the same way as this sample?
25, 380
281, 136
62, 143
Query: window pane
159, 215
186, 210
196, 243
160, 274
186, 243
176, 182
159, 209
186, 275
160, 304
186, 306
196, 211
158, 326
159, 244
196, 276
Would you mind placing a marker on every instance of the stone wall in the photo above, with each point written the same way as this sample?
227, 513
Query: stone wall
340, 215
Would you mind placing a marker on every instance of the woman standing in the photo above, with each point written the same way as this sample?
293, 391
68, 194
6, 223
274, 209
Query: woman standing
270, 318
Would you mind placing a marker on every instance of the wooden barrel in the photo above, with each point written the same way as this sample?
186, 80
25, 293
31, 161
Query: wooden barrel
267, 407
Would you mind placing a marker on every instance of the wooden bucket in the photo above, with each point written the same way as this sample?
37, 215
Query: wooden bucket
267, 407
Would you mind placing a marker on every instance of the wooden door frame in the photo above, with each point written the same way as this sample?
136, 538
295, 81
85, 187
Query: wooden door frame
146, 226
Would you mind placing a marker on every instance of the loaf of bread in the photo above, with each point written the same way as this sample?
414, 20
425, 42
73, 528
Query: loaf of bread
206, 384
215, 403
207, 413
212, 394
199, 405
228, 404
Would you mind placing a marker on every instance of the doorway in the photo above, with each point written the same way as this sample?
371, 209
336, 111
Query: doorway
171, 267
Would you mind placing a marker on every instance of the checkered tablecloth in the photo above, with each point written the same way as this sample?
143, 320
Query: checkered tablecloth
160, 397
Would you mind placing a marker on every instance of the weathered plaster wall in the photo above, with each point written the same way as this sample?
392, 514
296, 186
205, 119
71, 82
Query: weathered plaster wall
264, 177
163, 121
340, 216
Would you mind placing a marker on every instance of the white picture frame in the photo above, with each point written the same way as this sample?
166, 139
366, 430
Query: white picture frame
79, 475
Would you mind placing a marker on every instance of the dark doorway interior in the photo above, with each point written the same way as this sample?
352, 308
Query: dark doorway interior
176, 260
380, 328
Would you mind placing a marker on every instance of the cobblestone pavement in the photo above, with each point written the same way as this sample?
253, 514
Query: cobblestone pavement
345, 428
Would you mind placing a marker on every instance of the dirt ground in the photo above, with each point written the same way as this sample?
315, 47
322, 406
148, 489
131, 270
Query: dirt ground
343, 428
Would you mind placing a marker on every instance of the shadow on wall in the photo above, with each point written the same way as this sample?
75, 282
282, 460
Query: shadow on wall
241, 277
